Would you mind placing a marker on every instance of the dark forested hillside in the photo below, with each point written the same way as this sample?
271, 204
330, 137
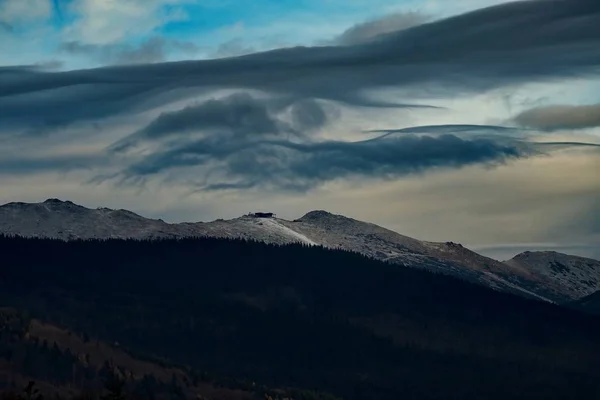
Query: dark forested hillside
296, 316
589, 304
64, 365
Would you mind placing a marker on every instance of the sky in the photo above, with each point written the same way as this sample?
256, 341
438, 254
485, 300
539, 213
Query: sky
473, 121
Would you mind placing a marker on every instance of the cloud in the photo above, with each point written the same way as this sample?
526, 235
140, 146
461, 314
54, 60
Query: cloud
232, 48
550, 146
561, 117
308, 115
263, 141
5, 26
238, 116
479, 131
102, 22
152, 50
242, 141
369, 30
14, 12
297, 166
49, 65
504, 45
464, 128
17, 166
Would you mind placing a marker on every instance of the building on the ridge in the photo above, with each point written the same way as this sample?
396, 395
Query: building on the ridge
263, 215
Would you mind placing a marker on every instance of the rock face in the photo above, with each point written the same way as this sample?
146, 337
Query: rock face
574, 277
559, 278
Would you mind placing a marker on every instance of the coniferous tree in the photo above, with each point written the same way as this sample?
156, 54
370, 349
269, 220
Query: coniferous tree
114, 387
30, 392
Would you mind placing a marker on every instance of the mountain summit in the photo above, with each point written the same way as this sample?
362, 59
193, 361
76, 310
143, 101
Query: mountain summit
555, 278
575, 276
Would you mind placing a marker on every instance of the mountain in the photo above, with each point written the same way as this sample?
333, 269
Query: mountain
572, 276
66, 220
318, 319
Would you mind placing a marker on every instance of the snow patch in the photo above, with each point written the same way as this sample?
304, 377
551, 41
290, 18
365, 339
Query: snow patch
274, 226
516, 287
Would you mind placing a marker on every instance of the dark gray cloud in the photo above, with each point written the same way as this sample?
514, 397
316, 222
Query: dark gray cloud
301, 165
508, 44
243, 143
152, 50
463, 129
308, 115
238, 116
369, 30
509, 135
561, 117
15, 166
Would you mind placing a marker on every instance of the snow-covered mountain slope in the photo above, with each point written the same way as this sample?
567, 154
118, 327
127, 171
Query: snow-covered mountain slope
572, 276
447, 258
66, 220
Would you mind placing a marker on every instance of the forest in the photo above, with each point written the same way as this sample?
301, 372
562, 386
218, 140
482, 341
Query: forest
312, 322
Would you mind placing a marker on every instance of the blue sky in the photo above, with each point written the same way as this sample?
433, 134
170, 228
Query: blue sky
472, 96
34, 31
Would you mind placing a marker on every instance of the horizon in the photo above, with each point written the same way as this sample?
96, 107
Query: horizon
499, 253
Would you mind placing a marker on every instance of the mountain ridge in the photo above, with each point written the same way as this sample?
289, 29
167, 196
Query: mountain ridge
66, 220
576, 276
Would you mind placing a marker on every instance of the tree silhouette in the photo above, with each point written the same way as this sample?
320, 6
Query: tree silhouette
30, 392
115, 387
321, 320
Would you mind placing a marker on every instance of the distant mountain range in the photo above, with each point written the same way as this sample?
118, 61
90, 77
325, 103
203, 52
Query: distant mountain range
547, 276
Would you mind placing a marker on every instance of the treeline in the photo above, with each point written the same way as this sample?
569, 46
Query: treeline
113, 388
308, 317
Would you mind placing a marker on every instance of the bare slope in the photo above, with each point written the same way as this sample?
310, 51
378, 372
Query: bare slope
66, 220
448, 258
573, 276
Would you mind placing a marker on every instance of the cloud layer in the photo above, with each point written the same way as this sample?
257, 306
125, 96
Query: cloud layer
152, 50
238, 117
502, 45
369, 30
240, 141
301, 166
561, 117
